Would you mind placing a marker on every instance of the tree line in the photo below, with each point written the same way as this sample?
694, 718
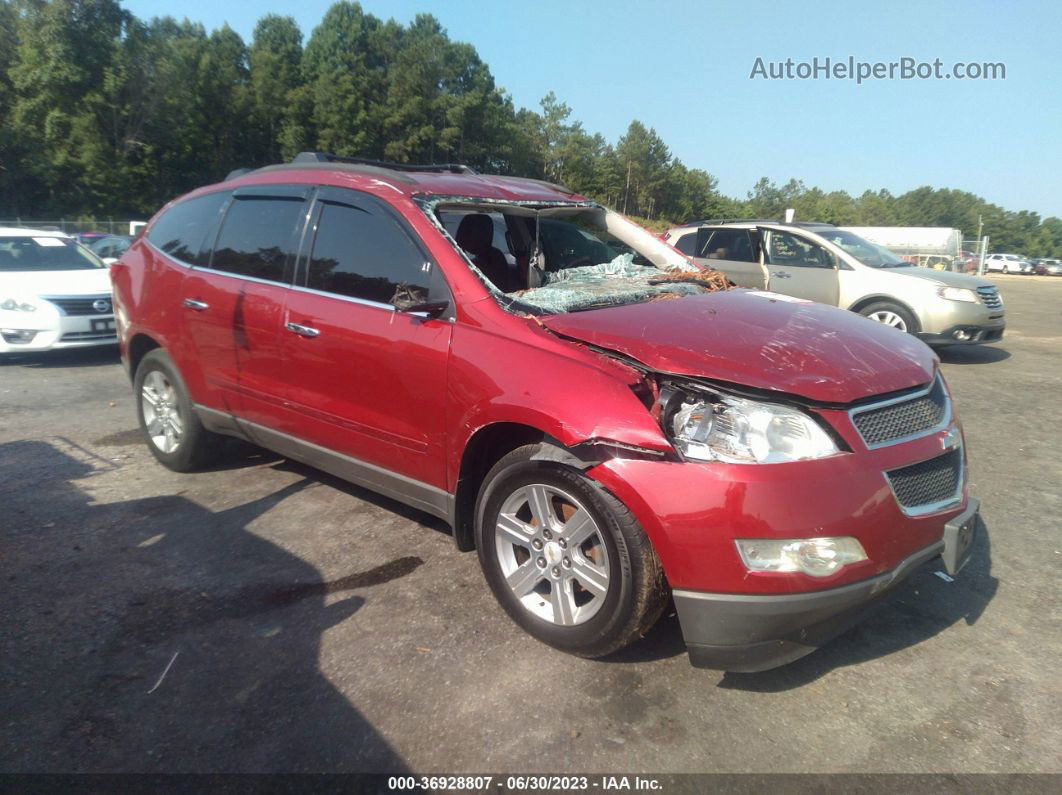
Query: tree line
103, 114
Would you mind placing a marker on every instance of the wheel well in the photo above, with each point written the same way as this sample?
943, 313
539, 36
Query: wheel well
139, 347
482, 452
863, 303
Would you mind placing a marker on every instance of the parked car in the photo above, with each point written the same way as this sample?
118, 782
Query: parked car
820, 262
1049, 267
1007, 263
608, 429
110, 248
54, 293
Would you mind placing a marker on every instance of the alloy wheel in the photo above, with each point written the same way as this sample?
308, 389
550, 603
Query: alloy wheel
552, 554
889, 319
161, 410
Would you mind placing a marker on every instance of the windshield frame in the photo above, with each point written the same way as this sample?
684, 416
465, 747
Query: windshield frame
658, 253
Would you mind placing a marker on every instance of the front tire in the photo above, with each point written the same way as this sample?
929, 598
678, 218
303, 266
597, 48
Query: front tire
567, 561
167, 417
892, 315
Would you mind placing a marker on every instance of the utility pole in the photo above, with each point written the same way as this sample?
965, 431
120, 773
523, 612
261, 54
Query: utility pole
627, 190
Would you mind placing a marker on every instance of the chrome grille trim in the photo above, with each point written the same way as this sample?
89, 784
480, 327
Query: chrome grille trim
990, 297
874, 442
80, 305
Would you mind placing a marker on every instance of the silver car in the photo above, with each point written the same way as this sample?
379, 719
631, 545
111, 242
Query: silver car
822, 263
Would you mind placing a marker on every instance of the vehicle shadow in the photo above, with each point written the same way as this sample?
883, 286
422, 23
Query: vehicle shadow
918, 609
156, 635
96, 356
972, 354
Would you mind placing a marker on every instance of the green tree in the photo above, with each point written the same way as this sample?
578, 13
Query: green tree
275, 61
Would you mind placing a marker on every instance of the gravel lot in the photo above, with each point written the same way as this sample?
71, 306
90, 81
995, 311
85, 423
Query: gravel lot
303, 624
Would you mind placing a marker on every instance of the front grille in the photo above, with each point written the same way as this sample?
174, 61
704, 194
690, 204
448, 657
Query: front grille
905, 418
81, 305
929, 482
990, 297
85, 336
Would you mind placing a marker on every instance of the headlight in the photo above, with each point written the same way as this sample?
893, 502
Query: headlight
742, 431
958, 294
17, 305
818, 557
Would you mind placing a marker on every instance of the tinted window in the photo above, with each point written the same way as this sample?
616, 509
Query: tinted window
364, 253
181, 229
687, 244
256, 237
787, 249
731, 244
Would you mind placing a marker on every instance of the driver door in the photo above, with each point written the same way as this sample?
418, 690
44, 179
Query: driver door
798, 267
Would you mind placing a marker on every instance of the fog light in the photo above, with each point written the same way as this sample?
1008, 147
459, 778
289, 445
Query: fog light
961, 334
818, 557
14, 336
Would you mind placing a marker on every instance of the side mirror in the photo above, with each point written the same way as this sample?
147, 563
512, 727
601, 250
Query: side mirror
413, 306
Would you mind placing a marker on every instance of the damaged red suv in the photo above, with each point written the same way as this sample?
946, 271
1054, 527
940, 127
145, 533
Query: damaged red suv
605, 423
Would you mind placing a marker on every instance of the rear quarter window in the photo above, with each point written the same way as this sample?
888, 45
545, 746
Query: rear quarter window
687, 244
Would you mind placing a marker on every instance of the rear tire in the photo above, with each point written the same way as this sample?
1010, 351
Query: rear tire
585, 578
893, 315
171, 427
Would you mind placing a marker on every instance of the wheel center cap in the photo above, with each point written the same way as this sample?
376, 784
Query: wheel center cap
553, 552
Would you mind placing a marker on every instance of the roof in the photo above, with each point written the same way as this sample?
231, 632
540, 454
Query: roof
21, 231
380, 177
743, 223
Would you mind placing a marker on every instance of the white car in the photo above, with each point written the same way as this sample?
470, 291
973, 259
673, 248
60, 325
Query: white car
1008, 263
54, 293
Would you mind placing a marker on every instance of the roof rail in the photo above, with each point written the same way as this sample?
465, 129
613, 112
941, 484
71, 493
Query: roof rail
734, 221
238, 172
326, 157
754, 221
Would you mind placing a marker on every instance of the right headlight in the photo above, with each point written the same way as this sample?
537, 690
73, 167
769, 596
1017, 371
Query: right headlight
17, 305
958, 294
740, 431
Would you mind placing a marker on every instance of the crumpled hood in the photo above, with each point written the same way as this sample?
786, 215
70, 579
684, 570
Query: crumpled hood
947, 278
759, 340
71, 282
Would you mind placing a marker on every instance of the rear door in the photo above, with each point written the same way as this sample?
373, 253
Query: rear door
367, 381
233, 304
799, 267
732, 251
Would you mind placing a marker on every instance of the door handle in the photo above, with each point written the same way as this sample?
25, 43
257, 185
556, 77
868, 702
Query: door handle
198, 306
780, 274
302, 331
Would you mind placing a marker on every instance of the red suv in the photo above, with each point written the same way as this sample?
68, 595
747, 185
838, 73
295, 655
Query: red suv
582, 404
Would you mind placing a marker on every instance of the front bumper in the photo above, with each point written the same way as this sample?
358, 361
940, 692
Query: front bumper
755, 632
961, 323
965, 334
59, 332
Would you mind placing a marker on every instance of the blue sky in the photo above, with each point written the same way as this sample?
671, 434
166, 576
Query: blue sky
683, 67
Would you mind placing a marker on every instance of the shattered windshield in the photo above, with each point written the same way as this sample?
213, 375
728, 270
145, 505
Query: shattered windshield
547, 259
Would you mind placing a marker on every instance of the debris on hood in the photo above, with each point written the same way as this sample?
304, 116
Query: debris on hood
618, 281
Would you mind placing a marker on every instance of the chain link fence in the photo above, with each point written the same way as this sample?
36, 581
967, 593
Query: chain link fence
973, 255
